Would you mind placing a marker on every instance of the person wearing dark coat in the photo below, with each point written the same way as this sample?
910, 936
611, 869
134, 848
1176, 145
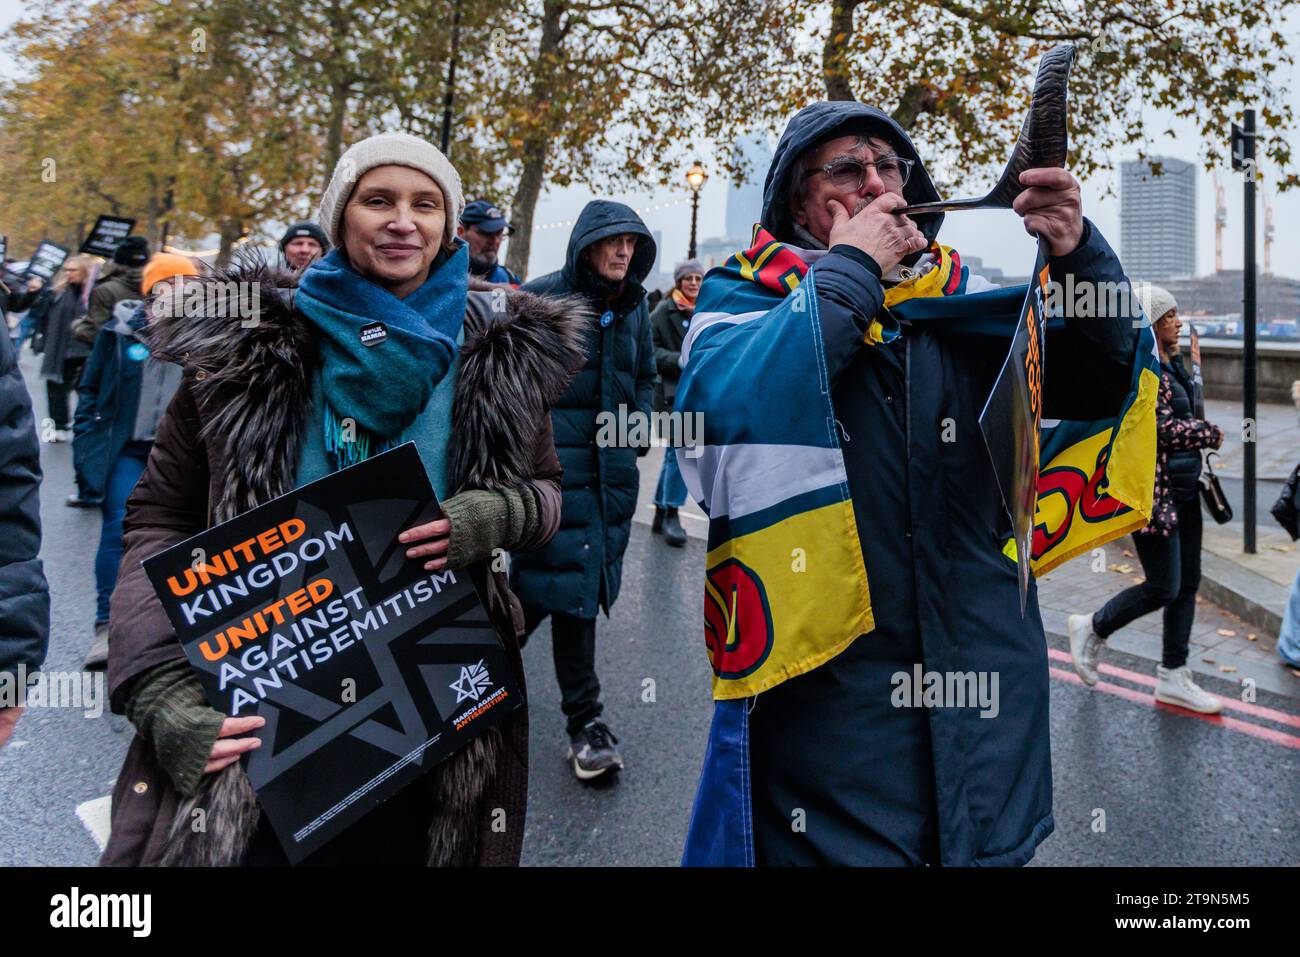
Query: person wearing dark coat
483, 225
578, 574
24, 593
35, 301
64, 355
829, 769
302, 244
1169, 547
669, 322
120, 400
267, 406
119, 280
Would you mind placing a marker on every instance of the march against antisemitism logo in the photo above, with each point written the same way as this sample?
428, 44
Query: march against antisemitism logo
473, 681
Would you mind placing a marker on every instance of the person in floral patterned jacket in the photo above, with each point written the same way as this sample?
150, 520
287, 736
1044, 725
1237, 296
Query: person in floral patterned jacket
1169, 547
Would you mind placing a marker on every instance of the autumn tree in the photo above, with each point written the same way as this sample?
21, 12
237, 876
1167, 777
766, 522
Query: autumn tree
147, 109
91, 130
958, 74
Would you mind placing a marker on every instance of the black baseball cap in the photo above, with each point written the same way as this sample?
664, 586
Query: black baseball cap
486, 217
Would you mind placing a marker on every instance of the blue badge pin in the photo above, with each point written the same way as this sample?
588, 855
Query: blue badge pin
137, 351
606, 318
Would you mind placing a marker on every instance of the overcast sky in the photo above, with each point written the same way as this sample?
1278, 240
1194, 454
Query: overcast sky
993, 235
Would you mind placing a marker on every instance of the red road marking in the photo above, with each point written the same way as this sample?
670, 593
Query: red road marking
1235, 724
1258, 710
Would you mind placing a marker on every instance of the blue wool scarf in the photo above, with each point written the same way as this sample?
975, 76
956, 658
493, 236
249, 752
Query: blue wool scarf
382, 386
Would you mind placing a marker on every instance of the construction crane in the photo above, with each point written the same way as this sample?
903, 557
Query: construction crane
1220, 221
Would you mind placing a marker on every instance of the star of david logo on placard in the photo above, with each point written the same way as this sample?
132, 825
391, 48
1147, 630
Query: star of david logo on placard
473, 681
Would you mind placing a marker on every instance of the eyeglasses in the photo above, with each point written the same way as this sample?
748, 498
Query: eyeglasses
849, 173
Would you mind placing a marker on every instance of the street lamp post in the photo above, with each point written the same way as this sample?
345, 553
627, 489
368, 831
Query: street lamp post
695, 177
1243, 159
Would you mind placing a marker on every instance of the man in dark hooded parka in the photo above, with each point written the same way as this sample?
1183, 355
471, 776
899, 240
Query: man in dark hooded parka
834, 772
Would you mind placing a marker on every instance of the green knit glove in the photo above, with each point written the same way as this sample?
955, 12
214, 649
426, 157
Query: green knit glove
168, 707
483, 521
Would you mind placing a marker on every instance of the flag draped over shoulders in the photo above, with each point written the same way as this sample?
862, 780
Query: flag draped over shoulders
786, 585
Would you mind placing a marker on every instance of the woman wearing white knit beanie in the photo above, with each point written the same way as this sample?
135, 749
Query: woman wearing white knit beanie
1169, 547
385, 161
383, 344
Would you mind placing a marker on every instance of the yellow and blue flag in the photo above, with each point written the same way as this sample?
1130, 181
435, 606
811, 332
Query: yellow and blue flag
770, 471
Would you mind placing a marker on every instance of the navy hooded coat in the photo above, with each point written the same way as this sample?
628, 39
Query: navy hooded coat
580, 571
871, 782
24, 593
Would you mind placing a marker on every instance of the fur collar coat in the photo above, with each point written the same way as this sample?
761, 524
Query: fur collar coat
230, 441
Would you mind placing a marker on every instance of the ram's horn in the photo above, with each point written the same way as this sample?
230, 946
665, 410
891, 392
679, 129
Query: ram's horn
1043, 142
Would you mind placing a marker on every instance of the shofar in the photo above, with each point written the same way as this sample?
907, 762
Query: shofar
1043, 142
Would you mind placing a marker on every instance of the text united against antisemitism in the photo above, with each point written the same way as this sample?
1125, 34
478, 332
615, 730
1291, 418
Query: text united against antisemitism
367, 668
292, 634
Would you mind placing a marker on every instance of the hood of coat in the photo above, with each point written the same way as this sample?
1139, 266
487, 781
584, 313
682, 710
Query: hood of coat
600, 219
129, 278
251, 382
826, 120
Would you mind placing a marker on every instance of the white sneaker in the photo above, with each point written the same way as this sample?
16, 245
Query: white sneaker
1175, 686
1085, 648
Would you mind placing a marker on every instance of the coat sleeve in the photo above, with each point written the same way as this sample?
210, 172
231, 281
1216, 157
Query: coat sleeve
1175, 434
849, 295
645, 373
169, 504
667, 359
545, 485
21, 299
99, 310
89, 387
24, 593
1088, 364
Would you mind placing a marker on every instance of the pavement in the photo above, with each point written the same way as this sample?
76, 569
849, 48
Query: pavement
1135, 783
1277, 437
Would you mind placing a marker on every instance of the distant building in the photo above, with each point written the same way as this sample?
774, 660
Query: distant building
1157, 216
1277, 297
745, 202
976, 265
714, 251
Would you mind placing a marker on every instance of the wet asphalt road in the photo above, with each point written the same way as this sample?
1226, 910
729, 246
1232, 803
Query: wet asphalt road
1174, 789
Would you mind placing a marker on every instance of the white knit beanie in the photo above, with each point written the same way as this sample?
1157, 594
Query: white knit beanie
1156, 302
389, 149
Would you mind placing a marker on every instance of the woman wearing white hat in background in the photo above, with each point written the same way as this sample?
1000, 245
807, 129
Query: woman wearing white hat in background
1169, 547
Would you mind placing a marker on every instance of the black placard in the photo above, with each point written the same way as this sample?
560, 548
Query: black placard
46, 261
1012, 415
368, 669
108, 233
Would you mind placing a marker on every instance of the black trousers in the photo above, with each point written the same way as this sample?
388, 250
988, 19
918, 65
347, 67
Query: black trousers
1173, 569
573, 645
56, 393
